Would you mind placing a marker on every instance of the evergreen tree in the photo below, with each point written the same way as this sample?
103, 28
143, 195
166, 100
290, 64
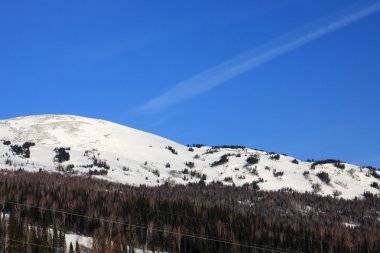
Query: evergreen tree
45, 241
71, 248
34, 241
55, 239
14, 234
61, 242
208, 210
2, 235
77, 247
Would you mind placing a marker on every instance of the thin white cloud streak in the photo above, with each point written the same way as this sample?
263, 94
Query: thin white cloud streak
222, 73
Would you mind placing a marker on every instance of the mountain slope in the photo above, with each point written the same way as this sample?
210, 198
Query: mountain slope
122, 154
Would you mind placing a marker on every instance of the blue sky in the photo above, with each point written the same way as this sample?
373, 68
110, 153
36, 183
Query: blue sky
116, 60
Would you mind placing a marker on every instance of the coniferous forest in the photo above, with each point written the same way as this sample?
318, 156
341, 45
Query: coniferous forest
39, 208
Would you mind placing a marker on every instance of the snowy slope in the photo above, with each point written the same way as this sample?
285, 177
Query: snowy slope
134, 157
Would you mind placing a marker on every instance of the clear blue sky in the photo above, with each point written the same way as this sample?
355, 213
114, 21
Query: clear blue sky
113, 59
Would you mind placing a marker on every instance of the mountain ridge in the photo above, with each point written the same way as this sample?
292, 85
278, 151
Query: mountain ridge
117, 153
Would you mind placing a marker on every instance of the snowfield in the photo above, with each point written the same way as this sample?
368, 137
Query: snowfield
121, 154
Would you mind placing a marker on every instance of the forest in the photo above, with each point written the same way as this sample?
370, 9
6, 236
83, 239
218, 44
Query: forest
195, 218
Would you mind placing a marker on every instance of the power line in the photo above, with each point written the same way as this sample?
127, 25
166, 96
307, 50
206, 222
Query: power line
161, 213
197, 236
30, 243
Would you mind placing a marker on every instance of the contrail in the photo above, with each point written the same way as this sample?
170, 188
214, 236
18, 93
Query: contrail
221, 73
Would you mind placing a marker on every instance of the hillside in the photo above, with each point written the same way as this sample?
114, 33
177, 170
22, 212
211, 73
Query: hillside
109, 217
102, 149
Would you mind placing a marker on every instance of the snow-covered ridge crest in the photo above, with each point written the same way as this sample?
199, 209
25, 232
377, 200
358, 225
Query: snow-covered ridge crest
79, 145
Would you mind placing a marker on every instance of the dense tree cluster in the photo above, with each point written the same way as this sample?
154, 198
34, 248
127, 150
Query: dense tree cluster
337, 163
18, 235
68, 168
252, 160
61, 155
278, 173
6, 143
189, 164
340, 165
193, 218
28, 144
229, 146
17, 150
196, 145
223, 159
375, 174
23, 151
275, 157
211, 151
171, 149
228, 179
375, 185
96, 172
100, 164
324, 177
372, 168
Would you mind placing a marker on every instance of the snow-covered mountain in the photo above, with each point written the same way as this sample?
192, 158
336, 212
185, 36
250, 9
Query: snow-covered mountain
78, 145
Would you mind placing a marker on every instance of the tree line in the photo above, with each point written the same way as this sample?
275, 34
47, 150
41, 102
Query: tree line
194, 218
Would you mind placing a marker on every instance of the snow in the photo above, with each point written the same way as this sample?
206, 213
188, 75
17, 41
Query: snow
82, 240
85, 241
134, 156
351, 225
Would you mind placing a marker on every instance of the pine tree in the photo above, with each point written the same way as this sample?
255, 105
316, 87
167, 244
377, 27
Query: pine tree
55, 239
14, 234
45, 241
71, 248
2, 235
61, 242
35, 240
77, 247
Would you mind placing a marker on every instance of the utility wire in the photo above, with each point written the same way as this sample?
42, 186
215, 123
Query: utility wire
29, 243
197, 236
161, 214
